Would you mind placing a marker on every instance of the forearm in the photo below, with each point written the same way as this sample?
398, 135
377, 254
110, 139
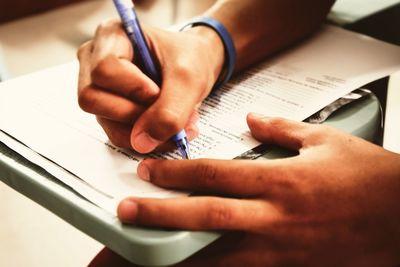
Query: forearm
262, 27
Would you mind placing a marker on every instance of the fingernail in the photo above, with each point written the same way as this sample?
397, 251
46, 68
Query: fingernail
144, 143
192, 132
258, 116
127, 211
143, 171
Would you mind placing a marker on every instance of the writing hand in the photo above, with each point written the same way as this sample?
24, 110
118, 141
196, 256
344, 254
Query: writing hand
335, 202
133, 111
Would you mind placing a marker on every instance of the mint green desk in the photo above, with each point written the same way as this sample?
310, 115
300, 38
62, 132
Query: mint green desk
139, 245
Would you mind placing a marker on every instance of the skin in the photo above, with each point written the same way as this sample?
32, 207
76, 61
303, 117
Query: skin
335, 203
349, 214
285, 211
125, 101
135, 113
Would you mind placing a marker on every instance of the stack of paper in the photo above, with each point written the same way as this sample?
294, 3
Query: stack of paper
41, 111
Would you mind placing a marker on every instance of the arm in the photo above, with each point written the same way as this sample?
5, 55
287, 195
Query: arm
260, 28
136, 113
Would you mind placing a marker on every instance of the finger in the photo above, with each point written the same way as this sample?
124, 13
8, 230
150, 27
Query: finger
239, 178
111, 39
123, 78
108, 105
194, 117
96, 101
198, 213
192, 131
112, 66
83, 54
169, 114
118, 133
286, 133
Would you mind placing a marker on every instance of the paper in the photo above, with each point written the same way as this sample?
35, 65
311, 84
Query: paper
41, 111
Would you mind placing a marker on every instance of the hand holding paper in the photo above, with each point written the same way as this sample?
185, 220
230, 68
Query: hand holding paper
331, 191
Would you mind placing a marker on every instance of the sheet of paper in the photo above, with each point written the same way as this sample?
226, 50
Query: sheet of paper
41, 111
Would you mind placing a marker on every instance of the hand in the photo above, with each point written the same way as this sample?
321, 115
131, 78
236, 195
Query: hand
133, 111
335, 203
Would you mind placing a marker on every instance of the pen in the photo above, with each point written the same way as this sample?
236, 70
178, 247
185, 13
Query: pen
145, 62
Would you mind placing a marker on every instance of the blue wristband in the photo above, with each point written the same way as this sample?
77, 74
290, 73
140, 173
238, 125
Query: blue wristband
230, 52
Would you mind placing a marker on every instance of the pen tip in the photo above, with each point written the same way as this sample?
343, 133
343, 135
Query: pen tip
185, 152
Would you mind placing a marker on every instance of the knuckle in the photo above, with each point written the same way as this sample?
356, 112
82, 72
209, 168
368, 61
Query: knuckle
183, 69
112, 136
115, 137
170, 121
315, 134
276, 122
116, 141
189, 75
86, 100
218, 215
142, 92
82, 50
106, 26
103, 71
206, 175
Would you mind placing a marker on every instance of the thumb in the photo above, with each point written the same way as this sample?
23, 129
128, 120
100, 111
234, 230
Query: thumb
169, 114
283, 132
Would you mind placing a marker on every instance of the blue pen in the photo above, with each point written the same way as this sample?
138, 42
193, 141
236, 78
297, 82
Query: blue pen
145, 60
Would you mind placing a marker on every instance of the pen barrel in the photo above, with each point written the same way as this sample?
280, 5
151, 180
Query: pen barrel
144, 60
179, 136
142, 55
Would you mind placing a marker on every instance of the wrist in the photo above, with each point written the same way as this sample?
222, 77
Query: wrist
227, 43
213, 47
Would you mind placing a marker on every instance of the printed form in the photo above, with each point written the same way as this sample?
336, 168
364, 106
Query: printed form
40, 110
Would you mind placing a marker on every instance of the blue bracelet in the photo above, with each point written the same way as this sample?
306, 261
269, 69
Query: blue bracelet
230, 52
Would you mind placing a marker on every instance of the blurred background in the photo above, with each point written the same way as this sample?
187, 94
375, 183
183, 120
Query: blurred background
39, 34
29, 30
